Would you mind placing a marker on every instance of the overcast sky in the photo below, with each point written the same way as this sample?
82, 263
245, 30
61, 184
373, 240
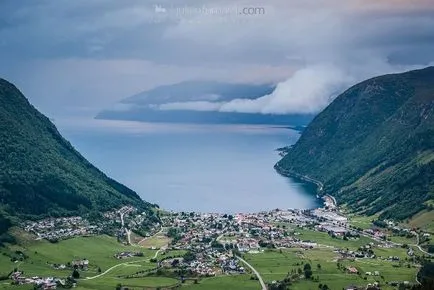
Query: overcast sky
75, 58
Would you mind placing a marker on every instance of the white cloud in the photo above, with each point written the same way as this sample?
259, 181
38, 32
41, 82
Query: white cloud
99, 52
307, 91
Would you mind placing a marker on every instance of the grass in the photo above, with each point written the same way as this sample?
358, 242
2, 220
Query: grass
104, 283
5, 263
98, 249
423, 220
156, 241
8, 286
272, 265
364, 222
390, 271
324, 239
275, 265
403, 240
241, 282
387, 252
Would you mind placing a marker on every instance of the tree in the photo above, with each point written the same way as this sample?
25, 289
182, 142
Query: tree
308, 273
189, 256
318, 266
307, 267
175, 262
75, 274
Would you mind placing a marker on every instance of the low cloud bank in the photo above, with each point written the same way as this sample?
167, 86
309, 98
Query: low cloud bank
308, 90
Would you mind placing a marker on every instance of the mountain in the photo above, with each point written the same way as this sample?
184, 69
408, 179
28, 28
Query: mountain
373, 146
176, 103
42, 174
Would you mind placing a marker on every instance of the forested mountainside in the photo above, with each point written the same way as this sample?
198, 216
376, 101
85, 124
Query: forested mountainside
42, 174
373, 146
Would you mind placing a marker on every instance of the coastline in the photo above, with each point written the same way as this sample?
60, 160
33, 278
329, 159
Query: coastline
327, 199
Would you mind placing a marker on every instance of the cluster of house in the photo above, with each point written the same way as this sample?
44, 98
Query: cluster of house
202, 265
231, 265
125, 255
60, 228
376, 234
214, 237
82, 264
361, 253
329, 215
208, 263
202, 268
246, 232
54, 229
247, 245
39, 282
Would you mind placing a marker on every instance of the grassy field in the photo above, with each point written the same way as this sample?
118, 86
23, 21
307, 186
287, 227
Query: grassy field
276, 264
5, 264
109, 282
156, 241
99, 250
241, 282
403, 240
324, 239
364, 222
272, 265
423, 220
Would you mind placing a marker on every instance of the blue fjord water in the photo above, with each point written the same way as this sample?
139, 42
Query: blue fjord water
197, 168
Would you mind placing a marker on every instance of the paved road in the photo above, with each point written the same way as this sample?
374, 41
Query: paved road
126, 230
264, 287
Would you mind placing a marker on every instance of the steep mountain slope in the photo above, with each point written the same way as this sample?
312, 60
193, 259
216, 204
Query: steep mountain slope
373, 147
41, 173
197, 102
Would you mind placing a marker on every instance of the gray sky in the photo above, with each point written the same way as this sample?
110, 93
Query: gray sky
75, 58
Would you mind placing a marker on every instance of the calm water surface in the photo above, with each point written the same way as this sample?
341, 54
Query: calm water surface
197, 168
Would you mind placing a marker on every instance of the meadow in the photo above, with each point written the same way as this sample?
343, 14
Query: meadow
277, 264
105, 271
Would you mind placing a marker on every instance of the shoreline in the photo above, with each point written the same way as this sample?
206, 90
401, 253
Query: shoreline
327, 198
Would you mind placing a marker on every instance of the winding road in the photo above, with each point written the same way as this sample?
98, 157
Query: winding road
114, 267
264, 287
420, 248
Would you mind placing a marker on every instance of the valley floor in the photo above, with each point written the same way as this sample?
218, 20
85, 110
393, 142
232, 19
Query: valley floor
206, 251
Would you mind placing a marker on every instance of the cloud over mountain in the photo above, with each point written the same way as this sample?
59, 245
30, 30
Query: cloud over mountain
101, 51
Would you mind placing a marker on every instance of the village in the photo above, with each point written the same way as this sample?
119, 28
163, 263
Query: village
213, 244
117, 223
215, 238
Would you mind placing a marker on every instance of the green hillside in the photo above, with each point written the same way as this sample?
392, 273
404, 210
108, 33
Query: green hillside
373, 146
42, 174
